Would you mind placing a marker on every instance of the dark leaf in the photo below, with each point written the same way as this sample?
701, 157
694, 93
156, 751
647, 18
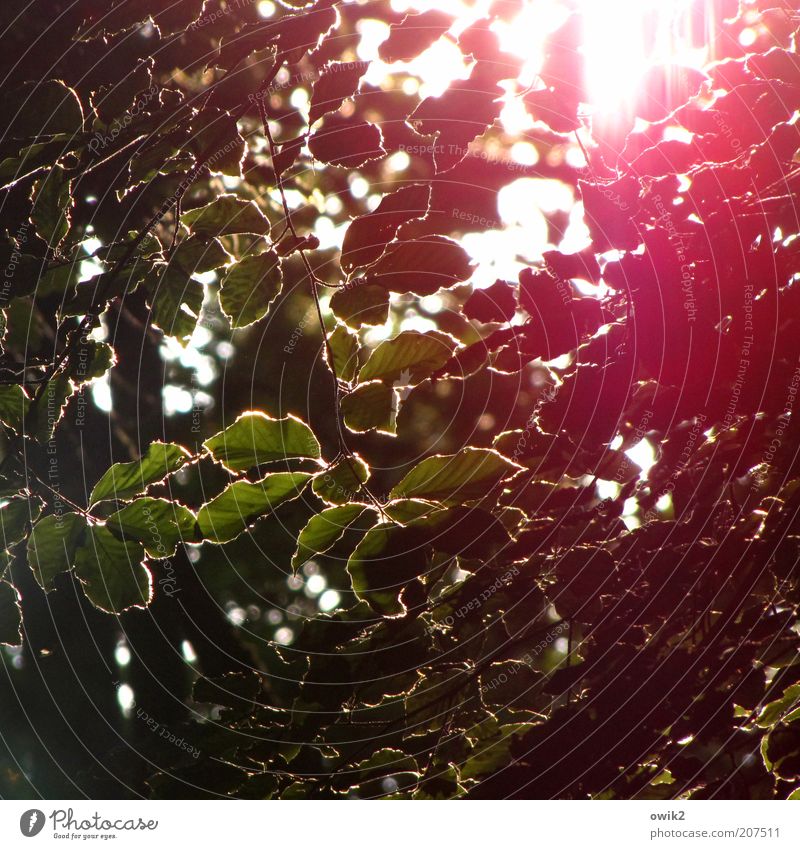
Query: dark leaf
414, 34
495, 303
368, 235
345, 142
338, 80
422, 266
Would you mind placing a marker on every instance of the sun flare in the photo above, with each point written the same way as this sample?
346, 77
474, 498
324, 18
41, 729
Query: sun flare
622, 39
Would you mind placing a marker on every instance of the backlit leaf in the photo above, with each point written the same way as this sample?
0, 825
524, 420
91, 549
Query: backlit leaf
249, 287
52, 546
324, 530
256, 438
14, 516
370, 406
337, 81
342, 481
422, 266
226, 215
10, 615
51, 203
411, 353
113, 575
158, 524
124, 480
368, 235
456, 478
14, 404
346, 142
385, 560
361, 303
229, 514
344, 344
415, 33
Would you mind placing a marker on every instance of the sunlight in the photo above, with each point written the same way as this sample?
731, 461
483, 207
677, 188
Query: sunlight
623, 38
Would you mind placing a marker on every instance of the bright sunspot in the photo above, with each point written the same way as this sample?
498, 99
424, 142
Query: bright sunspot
620, 41
623, 38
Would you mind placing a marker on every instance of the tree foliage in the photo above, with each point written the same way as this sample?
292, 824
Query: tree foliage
521, 609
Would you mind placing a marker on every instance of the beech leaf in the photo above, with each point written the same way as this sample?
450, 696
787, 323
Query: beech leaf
226, 215
324, 530
368, 235
124, 480
410, 354
346, 142
249, 286
113, 575
256, 438
456, 478
338, 80
229, 514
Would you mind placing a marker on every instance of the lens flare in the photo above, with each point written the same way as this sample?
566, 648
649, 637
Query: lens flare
624, 38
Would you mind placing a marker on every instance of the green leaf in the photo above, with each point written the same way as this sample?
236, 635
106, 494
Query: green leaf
344, 344
51, 202
52, 545
456, 478
360, 303
386, 559
370, 406
226, 216
256, 438
10, 615
324, 530
342, 481
93, 360
490, 742
228, 515
176, 300
160, 525
410, 355
113, 575
249, 287
55, 397
14, 516
14, 405
776, 710
407, 510
124, 480
196, 256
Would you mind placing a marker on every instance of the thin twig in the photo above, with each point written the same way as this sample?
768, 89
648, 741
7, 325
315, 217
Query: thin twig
344, 450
